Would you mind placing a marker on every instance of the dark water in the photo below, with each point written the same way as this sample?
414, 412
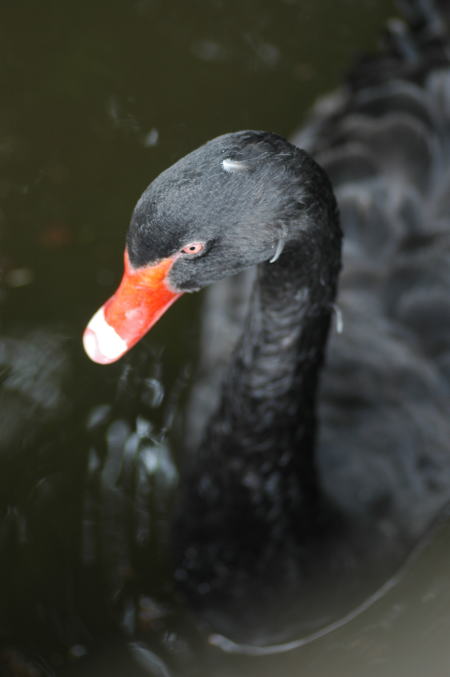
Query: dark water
97, 98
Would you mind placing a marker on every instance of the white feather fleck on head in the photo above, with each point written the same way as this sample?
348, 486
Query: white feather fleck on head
231, 166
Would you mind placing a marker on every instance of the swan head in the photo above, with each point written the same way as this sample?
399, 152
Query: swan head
234, 195
236, 201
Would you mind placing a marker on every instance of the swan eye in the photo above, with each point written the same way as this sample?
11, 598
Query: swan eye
193, 248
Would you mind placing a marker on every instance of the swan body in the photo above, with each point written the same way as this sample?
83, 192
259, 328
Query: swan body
305, 493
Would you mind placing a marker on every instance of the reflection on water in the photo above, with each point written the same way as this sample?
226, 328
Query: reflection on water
96, 102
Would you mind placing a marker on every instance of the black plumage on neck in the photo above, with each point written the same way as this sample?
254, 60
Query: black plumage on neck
254, 473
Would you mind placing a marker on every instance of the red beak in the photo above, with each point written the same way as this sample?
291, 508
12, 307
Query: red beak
142, 297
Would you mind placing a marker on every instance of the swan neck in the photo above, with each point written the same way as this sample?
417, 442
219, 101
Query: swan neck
268, 400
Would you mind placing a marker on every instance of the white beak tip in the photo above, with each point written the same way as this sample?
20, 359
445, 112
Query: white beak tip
101, 342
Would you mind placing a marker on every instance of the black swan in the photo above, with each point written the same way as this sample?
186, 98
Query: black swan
304, 494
